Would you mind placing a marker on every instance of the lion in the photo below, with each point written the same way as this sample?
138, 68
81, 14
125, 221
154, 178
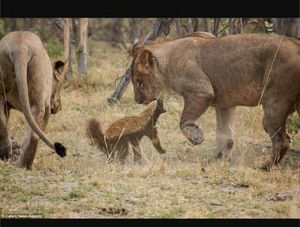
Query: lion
224, 72
29, 85
114, 141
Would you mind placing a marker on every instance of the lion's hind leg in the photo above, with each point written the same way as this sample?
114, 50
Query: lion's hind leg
274, 122
225, 119
30, 142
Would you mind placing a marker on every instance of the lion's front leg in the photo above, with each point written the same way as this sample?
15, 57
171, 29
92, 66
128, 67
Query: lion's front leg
194, 106
225, 119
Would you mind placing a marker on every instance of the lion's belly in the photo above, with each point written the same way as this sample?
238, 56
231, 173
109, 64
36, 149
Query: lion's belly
243, 95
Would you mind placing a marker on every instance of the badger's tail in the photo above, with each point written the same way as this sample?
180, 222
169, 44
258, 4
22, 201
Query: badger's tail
94, 131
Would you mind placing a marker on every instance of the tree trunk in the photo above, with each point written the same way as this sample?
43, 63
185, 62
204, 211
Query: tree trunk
206, 24
236, 28
195, 24
279, 25
298, 28
67, 47
216, 26
116, 34
10, 24
135, 31
82, 50
179, 27
286, 26
202, 24
230, 22
190, 27
241, 25
160, 26
209, 25
27, 24
291, 27
75, 31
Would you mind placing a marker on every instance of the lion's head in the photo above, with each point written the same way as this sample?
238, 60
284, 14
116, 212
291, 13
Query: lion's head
59, 69
145, 75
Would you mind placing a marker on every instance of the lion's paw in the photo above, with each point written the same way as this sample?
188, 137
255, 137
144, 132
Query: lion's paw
16, 151
194, 134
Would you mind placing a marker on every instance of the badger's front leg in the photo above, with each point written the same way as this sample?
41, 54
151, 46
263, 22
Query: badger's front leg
155, 141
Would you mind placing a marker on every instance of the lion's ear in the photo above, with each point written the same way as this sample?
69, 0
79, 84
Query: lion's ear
146, 59
59, 68
137, 46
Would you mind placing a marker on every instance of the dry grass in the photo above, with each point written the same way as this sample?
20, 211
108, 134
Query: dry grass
185, 182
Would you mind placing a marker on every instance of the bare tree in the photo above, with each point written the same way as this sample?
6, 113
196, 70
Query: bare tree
241, 25
135, 30
75, 22
195, 24
298, 28
10, 24
57, 27
82, 48
116, 34
190, 25
280, 25
180, 30
230, 22
67, 47
216, 26
235, 26
161, 25
27, 24
202, 24
286, 26
179, 27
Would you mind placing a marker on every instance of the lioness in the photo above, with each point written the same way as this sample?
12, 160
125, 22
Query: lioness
30, 85
116, 138
224, 72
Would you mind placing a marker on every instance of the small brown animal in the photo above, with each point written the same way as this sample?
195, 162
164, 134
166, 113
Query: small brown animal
114, 141
30, 84
224, 72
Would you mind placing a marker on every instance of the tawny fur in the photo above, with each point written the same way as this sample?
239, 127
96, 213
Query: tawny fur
114, 141
224, 72
30, 85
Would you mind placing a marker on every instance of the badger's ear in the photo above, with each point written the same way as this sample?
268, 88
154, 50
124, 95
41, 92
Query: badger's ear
146, 60
137, 46
59, 68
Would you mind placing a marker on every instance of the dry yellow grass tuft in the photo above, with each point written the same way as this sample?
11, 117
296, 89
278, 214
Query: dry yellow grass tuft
185, 182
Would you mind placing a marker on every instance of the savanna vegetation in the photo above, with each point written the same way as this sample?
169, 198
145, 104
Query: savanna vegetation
186, 182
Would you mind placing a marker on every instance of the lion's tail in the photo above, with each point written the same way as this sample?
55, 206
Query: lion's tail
94, 131
20, 66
